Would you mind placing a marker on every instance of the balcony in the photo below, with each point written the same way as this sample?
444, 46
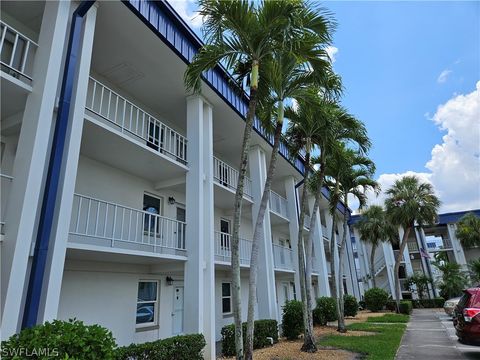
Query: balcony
315, 265
100, 223
226, 176
412, 246
282, 257
223, 250
6, 182
306, 222
278, 204
134, 122
17, 53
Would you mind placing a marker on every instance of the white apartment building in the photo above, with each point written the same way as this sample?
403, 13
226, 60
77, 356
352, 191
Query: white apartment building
431, 240
127, 222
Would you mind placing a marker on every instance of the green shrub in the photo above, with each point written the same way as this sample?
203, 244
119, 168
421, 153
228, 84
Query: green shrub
405, 307
362, 305
63, 340
428, 303
325, 311
263, 329
376, 299
350, 305
183, 347
391, 305
292, 319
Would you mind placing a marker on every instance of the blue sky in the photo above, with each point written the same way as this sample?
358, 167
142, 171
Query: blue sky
412, 73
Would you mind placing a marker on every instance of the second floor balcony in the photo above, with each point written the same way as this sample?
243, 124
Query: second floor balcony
105, 224
282, 257
17, 53
278, 204
6, 182
223, 249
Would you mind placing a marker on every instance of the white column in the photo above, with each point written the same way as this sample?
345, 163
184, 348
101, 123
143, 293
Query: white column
390, 263
290, 192
422, 244
267, 303
56, 257
319, 248
199, 313
29, 167
352, 270
457, 247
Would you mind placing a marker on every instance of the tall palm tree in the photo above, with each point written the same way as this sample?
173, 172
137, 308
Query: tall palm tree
373, 230
468, 230
302, 135
287, 79
409, 201
349, 173
246, 33
337, 126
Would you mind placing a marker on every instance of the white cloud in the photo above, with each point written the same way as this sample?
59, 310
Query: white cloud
187, 10
455, 163
443, 76
331, 51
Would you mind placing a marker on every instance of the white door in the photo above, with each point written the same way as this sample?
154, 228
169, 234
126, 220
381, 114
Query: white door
177, 313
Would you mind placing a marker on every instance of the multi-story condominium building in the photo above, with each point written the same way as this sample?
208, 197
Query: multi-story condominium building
118, 186
422, 246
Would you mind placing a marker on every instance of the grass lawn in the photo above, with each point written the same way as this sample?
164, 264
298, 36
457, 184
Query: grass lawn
390, 318
381, 346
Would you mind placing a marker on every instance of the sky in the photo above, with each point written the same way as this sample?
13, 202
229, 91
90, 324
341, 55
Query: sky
411, 72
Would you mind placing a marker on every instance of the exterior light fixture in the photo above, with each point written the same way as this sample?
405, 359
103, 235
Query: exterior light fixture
171, 200
169, 280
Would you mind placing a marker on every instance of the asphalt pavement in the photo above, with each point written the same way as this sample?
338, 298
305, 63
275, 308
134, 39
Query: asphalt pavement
430, 335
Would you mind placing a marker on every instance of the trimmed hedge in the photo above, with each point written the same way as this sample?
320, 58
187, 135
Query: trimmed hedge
391, 305
263, 329
325, 311
428, 303
182, 347
292, 319
376, 299
405, 307
70, 339
350, 305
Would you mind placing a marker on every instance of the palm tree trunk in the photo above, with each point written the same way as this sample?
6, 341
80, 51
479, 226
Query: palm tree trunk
236, 282
340, 304
333, 252
313, 223
398, 260
308, 338
257, 234
372, 264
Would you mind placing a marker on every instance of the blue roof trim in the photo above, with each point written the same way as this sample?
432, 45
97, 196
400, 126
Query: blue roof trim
447, 218
453, 217
175, 33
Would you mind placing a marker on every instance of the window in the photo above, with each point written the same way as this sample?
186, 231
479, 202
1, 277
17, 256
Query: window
152, 206
226, 298
147, 303
322, 218
225, 234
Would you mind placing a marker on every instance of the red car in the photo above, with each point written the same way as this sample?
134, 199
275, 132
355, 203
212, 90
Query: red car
467, 316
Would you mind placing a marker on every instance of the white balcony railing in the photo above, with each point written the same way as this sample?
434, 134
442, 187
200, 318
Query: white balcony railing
6, 181
412, 246
17, 52
134, 121
315, 265
282, 257
227, 176
223, 249
114, 225
278, 204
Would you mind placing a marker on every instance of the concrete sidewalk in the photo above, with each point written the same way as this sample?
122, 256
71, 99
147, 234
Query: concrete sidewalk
428, 336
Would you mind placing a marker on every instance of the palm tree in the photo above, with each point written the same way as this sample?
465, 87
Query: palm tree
302, 134
246, 33
337, 126
372, 229
349, 173
453, 280
468, 230
409, 201
287, 79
